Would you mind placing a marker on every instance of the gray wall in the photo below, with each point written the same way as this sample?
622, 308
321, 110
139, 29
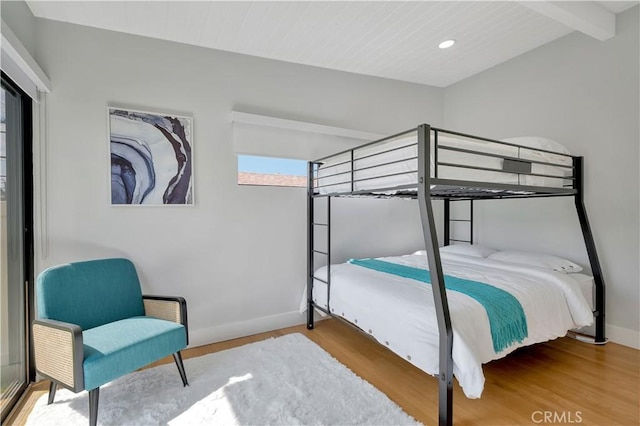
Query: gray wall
584, 94
238, 256
21, 21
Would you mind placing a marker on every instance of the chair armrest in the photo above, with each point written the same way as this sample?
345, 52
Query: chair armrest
167, 308
59, 352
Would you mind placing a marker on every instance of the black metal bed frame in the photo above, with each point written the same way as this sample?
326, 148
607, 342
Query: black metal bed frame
427, 188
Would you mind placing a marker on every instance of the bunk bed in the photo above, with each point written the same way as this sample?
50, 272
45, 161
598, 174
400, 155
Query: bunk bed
427, 163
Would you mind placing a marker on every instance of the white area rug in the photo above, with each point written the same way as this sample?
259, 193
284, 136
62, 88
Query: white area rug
287, 380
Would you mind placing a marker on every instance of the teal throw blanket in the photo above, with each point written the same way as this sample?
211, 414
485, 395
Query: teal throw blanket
506, 316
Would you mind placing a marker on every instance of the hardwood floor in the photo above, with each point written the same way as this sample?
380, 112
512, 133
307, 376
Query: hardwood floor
558, 382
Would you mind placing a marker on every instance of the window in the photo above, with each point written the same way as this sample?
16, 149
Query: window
270, 171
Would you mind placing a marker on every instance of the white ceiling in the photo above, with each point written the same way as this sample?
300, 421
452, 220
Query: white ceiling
392, 39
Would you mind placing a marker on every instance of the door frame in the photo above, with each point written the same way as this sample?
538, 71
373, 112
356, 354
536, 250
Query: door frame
28, 232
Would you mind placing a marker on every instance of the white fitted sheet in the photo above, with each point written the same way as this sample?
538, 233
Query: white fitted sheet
400, 313
587, 286
404, 168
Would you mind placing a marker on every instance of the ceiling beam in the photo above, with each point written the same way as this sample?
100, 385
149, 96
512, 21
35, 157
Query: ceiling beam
587, 17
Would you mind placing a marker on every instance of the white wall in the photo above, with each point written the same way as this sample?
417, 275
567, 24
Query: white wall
22, 22
583, 93
239, 255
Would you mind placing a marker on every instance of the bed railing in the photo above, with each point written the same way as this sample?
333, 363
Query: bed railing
461, 165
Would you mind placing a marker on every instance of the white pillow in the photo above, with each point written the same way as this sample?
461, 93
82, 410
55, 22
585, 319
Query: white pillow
467, 250
540, 260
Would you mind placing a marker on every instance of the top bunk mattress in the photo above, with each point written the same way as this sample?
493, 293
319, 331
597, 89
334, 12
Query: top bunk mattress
394, 163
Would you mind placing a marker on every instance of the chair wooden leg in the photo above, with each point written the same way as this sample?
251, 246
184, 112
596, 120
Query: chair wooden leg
52, 391
94, 395
178, 358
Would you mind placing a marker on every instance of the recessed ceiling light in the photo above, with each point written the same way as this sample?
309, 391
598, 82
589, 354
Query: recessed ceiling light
447, 43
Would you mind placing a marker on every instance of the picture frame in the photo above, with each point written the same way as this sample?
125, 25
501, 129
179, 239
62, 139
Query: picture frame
151, 158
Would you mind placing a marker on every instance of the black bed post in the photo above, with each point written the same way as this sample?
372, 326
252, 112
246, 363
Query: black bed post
471, 221
310, 246
591, 250
447, 222
445, 378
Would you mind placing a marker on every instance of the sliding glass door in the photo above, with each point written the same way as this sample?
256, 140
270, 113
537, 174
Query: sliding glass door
15, 244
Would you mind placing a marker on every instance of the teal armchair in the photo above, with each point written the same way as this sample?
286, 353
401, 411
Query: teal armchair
94, 325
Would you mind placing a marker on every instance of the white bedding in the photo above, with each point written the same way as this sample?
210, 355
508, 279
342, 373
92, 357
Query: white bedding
587, 286
400, 312
404, 172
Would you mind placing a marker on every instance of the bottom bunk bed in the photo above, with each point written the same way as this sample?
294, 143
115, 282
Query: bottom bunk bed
496, 307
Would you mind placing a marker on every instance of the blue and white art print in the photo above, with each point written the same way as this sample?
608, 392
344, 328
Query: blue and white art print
151, 158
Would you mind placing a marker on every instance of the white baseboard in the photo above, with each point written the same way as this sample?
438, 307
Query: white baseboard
234, 330
620, 335
623, 336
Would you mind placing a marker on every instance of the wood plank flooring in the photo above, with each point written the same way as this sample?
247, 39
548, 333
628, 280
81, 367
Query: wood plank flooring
558, 382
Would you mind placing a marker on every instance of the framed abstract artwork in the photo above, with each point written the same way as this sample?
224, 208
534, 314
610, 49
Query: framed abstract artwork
151, 158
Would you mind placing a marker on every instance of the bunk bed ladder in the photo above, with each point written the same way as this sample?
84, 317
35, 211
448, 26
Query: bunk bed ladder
445, 377
311, 249
590, 244
447, 223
